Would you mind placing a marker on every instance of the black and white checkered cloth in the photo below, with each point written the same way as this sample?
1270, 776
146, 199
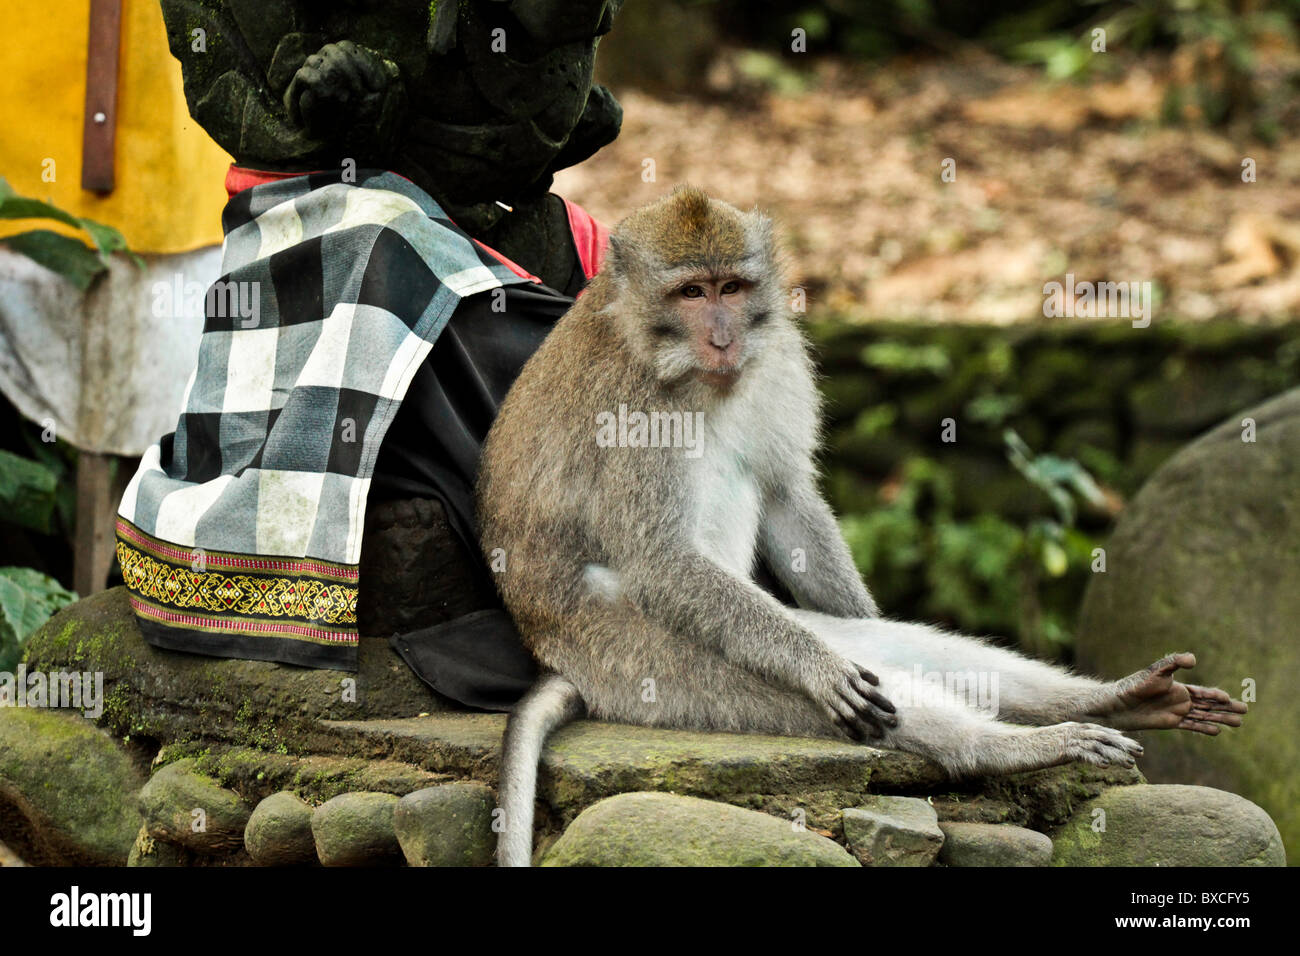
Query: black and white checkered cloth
240, 534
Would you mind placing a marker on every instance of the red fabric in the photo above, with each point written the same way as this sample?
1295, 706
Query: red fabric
239, 178
513, 266
589, 236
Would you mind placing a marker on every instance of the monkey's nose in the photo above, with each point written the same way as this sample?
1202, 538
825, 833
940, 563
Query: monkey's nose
722, 354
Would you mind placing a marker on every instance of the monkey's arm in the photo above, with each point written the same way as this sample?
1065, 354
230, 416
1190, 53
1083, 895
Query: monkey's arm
751, 629
801, 542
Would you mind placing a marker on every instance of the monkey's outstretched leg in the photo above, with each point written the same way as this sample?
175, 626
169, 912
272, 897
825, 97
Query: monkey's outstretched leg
966, 741
1016, 688
656, 678
1034, 692
954, 724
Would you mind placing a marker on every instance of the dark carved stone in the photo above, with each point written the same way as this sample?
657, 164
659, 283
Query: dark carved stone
425, 89
415, 572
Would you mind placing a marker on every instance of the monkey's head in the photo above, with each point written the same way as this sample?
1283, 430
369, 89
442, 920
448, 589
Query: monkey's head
695, 286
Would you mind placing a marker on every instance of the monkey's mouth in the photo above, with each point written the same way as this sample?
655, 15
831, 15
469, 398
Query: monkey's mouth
720, 377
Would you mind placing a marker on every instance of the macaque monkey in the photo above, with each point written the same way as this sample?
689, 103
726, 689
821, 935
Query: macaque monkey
654, 450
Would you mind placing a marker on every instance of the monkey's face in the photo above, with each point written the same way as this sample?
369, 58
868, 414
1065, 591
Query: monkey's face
709, 322
696, 287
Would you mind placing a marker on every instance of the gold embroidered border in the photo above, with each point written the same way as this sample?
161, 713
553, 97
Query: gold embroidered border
264, 596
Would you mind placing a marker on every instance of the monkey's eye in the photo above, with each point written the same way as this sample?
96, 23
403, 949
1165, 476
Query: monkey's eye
692, 292
731, 288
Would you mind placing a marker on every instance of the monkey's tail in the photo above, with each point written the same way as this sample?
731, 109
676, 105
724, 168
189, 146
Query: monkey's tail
551, 703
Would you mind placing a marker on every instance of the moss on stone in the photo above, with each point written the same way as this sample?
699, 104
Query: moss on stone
67, 790
172, 697
660, 829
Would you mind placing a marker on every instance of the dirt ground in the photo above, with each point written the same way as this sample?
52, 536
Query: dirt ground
1050, 179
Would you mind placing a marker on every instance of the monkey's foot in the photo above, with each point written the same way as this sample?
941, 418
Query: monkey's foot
1097, 745
1152, 700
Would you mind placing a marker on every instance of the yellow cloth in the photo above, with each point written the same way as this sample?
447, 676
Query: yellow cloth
170, 174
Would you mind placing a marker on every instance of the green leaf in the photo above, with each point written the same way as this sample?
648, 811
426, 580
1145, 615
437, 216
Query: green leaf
993, 409
1055, 560
27, 492
901, 357
68, 257
108, 240
13, 206
27, 599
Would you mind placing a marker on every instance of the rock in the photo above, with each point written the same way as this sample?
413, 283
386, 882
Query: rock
986, 844
426, 575
662, 829
893, 831
279, 832
148, 852
187, 808
9, 858
1169, 825
450, 825
356, 829
316, 778
1206, 559
590, 760
67, 790
171, 696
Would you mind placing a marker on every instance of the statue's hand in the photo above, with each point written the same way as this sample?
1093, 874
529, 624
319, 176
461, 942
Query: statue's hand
343, 87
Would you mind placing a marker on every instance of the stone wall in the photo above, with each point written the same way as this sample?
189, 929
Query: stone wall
205, 762
951, 541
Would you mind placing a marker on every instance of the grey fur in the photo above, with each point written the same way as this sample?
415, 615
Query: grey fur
630, 567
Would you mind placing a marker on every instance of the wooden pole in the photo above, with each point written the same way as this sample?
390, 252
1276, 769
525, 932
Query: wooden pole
96, 511
99, 134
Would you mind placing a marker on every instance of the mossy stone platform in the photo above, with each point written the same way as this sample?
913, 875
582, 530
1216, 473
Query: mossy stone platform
256, 729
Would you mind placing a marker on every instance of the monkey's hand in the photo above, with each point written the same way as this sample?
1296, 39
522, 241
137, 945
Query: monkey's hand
847, 693
343, 88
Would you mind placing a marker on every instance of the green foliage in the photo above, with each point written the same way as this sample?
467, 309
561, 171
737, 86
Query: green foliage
771, 72
1062, 56
58, 461
995, 532
1219, 37
982, 574
1060, 479
27, 599
1216, 39
70, 258
27, 492
904, 357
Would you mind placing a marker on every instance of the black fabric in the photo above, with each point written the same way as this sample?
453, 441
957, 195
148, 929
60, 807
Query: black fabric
476, 660
251, 647
432, 450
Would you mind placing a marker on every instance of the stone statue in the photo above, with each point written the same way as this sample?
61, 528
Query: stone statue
478, 102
